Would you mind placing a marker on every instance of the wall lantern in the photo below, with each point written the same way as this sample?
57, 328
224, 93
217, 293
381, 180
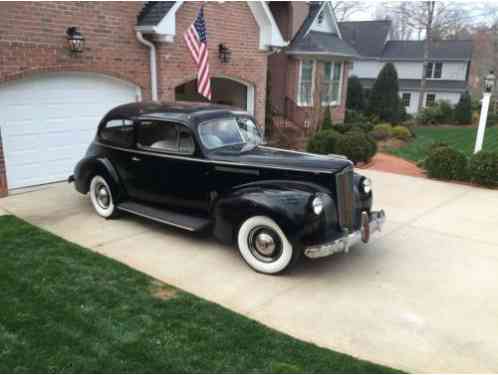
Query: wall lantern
75, 40
224, 54
489, 81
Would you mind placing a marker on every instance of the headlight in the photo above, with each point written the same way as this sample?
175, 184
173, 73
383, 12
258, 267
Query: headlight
366, 185
317, 205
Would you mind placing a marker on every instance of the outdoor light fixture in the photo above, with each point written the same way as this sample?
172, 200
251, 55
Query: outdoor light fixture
75, 40
224, 54
489, 81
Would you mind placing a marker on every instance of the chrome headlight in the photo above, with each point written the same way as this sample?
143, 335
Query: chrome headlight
366, 185
317, 205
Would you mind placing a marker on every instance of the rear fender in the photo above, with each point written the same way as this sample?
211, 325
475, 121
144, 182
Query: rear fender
87, 168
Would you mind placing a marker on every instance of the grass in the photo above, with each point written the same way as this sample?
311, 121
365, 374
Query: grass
461, 138
66, 309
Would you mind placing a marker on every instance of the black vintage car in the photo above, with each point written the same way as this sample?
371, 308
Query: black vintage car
204, 167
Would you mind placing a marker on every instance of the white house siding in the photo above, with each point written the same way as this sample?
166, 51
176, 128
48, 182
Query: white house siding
413, 101
455, 71
366, 68
451, 97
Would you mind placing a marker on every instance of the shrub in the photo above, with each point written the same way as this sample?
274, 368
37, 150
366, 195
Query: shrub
343, 128
439, 113
323, 142
381, 132
446, 112
384, 100
434, 145
483, 168
356, 98
491, 120
354, 117
446, 163
402, 133
347, 127
356, 146
327, 120
463, 110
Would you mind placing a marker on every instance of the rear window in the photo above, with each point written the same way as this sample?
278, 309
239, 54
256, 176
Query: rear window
119, 132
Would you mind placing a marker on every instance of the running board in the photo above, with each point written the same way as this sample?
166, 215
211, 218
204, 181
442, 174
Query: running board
161, 215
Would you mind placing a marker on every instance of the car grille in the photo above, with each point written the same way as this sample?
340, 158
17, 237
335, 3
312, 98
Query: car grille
345, 198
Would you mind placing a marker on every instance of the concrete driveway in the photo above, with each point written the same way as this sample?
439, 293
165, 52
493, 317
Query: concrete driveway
422, 297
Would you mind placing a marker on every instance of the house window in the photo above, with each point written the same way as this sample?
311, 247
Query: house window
406, 99
430, 100
305, 94
428, 70
331, 85
320, 18
438, 70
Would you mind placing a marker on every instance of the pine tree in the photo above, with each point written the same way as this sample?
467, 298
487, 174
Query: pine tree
463, 110
356, 97
327, 120
384, 101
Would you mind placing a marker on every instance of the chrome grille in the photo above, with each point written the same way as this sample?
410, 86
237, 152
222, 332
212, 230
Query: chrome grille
344, 189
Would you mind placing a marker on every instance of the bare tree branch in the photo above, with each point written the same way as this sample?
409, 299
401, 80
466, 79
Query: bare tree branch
345, 9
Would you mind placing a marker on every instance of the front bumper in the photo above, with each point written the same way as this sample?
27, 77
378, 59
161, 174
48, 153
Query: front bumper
370, 224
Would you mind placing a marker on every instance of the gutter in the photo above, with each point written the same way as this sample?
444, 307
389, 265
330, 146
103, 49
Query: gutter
152, 62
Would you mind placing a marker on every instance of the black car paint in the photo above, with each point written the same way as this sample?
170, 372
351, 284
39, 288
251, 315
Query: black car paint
225, 184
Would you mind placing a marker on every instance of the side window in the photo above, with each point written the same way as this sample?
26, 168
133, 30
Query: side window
165, 136
119, 132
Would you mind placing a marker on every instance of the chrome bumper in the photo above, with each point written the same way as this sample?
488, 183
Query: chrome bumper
369, 226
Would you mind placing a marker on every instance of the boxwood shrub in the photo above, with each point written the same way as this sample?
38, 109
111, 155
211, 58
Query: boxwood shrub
323, 142
446, 163
356, 146
381, 132
402, 133
483, 168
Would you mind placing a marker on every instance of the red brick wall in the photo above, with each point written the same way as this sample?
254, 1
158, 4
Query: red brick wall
230, 23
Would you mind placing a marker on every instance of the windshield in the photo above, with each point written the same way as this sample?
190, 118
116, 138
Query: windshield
220, 133
249, 130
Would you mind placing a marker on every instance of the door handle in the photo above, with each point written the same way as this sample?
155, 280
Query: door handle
134, 158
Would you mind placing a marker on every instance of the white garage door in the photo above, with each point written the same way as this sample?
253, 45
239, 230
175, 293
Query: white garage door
48, 121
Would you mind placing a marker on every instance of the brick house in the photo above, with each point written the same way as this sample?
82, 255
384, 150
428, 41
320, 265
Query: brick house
52, 98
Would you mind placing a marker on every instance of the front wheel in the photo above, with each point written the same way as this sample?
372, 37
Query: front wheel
264, 246
101, 197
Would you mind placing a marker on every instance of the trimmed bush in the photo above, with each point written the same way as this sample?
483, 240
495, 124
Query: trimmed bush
435, 145
463, 110
384, 100
347, 127
381, 132
354, 117
343, 128
402, 133
323, 142
356, 146
327, 120
492, 120
439, 113
356, 99
446, 163
483, 168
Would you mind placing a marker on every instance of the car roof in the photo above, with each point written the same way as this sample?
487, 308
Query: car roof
191, 113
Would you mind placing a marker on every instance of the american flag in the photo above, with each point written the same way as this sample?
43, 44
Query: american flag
196, 39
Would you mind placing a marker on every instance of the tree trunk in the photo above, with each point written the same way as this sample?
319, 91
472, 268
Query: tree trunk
427, 47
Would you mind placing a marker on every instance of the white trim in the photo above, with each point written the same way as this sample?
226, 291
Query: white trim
313, 69
251, 92
327, 4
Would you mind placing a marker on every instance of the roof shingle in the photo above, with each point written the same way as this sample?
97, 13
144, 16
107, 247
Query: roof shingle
367, 37
153, 12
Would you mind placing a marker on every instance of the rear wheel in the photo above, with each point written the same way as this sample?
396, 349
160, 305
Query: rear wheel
101, 197
264, 246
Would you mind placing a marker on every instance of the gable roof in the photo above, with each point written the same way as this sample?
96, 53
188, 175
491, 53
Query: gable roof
153, 12
367, 37
458, 50
307, 41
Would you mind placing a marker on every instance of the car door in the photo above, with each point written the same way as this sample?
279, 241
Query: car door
167, 172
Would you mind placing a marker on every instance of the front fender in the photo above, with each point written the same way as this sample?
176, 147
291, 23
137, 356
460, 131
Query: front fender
287, 203
88, 167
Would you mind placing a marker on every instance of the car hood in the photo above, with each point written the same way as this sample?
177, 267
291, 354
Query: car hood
262, 156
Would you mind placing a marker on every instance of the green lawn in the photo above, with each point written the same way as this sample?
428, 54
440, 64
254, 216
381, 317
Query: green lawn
462, 139
66, 309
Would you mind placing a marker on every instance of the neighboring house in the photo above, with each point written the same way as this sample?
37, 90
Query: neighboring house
447, 73
312, 72
52, 99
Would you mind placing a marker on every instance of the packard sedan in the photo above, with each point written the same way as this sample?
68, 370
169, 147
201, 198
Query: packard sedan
206, 168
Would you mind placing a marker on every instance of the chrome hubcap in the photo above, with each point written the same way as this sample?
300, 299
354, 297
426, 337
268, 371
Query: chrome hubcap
265, 244
103, 196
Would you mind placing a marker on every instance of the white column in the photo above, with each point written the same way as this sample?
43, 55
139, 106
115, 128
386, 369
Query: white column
482, 122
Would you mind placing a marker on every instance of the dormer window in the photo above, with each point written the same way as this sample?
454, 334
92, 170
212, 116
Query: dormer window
320, 18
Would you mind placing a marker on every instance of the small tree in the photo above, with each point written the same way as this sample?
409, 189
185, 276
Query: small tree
463, 110
327, 120
384, 101
268, 107
356, 97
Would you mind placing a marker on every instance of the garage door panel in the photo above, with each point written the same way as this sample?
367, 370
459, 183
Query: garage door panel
47, 122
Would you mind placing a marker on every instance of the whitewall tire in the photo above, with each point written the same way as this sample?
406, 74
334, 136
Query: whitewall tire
101, 197
264, 246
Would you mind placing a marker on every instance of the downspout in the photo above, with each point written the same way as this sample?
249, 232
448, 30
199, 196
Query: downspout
153, 64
